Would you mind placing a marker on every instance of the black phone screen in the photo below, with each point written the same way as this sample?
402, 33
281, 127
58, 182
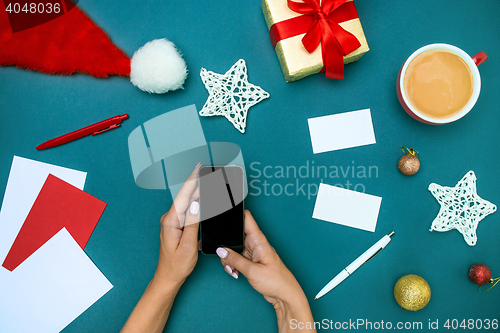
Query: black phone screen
221, 208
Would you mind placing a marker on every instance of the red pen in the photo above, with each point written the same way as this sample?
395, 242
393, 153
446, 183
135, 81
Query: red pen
94, 129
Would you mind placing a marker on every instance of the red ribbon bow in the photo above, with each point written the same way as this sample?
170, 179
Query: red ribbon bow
320, 23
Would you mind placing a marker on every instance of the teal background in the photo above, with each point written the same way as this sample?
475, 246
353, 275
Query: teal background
35, 107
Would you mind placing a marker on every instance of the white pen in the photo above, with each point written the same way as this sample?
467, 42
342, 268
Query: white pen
365, 257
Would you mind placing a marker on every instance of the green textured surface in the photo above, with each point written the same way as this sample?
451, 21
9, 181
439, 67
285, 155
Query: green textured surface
35, 107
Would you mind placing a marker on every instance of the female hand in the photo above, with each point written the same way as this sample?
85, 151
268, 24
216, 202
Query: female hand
267, 274
179, 234
178, 256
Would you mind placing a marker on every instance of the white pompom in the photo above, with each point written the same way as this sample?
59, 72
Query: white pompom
158, 67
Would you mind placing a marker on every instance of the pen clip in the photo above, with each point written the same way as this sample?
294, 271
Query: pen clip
374, 255
380, 250
107, 129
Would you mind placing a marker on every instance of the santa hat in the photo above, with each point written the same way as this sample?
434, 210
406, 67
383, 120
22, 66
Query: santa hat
73, 43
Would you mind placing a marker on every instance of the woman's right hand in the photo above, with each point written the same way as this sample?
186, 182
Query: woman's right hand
267, 274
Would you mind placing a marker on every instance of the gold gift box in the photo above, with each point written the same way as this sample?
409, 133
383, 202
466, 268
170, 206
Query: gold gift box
296, 62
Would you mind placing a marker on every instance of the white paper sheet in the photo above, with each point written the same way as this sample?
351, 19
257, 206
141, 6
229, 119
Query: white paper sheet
346, 207
25, 181
50, 288
339, 131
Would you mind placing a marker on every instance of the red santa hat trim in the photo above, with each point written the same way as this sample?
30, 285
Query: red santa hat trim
73, 43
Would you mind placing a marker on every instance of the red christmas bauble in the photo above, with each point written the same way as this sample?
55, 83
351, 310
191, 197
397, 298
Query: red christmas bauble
480, 274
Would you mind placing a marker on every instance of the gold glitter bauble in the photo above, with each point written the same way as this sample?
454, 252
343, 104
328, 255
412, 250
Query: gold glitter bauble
409, 164
412, 292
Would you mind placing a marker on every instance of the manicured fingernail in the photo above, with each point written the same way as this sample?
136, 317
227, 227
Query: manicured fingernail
235, 275
194, 208
197, 165
221, 252
229, 270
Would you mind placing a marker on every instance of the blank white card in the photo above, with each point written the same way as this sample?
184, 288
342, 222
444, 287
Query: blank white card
339, 131
346, 207
50, 289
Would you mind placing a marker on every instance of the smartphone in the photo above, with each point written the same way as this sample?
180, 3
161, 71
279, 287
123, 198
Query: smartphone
221, 208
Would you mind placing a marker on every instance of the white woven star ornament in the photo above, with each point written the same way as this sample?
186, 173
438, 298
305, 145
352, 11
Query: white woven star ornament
231, 95
461, 207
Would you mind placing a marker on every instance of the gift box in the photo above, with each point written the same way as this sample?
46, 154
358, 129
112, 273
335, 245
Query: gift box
310, 37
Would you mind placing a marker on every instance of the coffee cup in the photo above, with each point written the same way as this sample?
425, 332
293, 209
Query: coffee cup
439, 83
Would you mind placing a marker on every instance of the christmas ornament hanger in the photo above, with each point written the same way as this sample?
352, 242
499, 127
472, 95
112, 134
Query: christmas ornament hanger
410, 151
494, 281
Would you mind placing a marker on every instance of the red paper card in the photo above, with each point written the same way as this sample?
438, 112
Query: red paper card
58, 205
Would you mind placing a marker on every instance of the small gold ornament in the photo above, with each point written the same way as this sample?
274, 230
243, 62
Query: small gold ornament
412, 292
409, 164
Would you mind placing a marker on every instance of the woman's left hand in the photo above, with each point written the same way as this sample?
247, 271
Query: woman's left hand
178, 256
179, 234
